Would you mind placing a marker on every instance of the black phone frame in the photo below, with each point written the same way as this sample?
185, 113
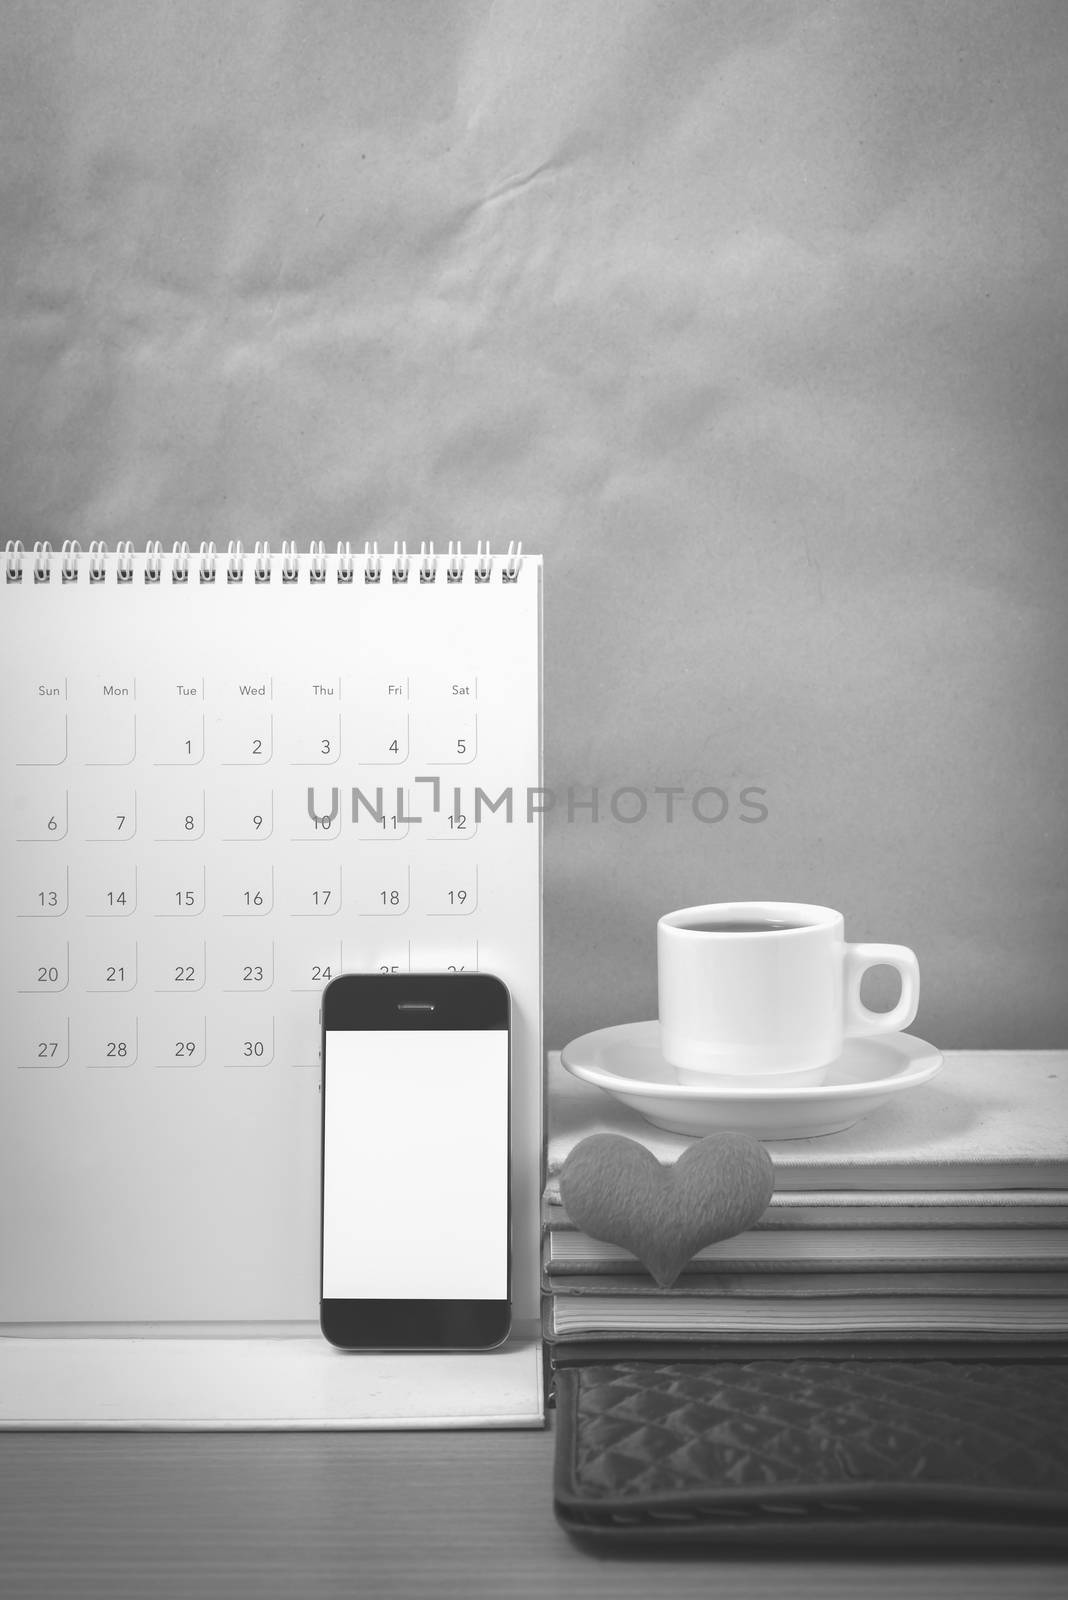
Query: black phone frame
414, 1003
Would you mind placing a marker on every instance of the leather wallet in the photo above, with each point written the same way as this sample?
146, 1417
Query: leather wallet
846, 1454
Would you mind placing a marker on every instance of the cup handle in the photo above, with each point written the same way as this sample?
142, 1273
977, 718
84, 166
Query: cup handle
858, 958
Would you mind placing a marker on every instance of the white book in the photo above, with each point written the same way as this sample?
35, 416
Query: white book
882, 1249
989, 1120
584, 1316
884, 1208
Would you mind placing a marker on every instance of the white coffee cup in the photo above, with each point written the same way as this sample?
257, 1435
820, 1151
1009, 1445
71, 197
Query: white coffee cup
762, 993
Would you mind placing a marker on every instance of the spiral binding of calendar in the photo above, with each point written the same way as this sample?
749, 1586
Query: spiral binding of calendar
234, 565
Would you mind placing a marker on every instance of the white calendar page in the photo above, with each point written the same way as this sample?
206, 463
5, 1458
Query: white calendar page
183, 872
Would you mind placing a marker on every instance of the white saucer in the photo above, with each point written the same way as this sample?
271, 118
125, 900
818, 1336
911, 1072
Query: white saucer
626, 1061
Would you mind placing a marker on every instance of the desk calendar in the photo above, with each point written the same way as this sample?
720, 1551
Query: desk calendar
227, 779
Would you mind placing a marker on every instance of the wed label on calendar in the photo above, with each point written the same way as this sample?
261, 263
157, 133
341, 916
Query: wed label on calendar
225, 781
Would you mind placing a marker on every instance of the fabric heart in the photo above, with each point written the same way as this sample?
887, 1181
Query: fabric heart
614, 1189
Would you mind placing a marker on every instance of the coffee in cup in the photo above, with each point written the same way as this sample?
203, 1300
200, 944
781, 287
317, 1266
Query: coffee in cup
761, 994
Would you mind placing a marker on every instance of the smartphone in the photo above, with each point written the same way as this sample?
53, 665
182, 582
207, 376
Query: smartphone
416, 1237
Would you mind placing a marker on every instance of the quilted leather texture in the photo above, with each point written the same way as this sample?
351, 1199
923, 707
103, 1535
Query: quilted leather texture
943, 1443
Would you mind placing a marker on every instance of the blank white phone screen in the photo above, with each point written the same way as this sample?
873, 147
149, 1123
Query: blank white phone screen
415, 1165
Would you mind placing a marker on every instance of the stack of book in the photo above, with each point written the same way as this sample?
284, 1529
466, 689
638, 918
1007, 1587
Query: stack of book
941, 1219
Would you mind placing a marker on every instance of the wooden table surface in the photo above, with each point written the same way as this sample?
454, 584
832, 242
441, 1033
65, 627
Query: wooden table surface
147, 1516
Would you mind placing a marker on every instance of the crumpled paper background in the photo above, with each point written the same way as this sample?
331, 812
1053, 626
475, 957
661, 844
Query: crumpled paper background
750, 317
